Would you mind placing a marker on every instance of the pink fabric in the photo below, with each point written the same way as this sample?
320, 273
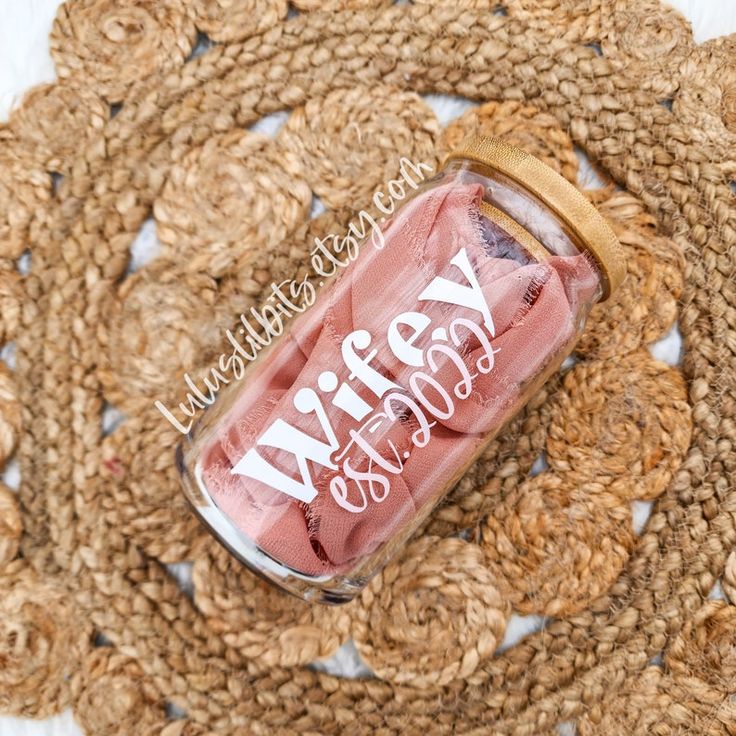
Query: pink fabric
534, 307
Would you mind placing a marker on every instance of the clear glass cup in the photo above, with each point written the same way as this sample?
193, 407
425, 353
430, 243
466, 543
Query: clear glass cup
346, 431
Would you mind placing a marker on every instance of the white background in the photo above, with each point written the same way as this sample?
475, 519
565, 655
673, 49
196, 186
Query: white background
25, 61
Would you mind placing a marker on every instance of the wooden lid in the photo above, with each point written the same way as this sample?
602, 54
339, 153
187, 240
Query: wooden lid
568, 204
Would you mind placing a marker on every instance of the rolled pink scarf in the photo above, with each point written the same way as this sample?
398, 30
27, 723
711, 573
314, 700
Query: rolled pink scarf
532, 306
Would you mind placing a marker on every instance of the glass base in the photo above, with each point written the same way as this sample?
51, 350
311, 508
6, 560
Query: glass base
331, 590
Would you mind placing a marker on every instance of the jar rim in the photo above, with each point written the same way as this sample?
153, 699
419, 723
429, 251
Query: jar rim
554, 191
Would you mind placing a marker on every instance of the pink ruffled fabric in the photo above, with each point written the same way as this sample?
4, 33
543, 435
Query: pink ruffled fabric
534, 307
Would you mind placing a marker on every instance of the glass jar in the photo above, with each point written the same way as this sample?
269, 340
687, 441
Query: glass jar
342, 436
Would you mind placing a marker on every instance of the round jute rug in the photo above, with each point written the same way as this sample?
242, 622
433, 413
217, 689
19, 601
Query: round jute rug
89, 615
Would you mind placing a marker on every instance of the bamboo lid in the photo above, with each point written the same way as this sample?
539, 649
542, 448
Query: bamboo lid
568, 204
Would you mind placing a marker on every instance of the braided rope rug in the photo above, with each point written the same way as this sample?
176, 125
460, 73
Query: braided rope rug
89, 615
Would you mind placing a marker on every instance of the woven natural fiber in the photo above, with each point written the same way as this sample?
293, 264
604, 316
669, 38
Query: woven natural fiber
10, 411
351, 140
154, 328
432, 617
232, 20
644, 308
117, 696
626, 429
729, 577
142, 498
707, 98
699, 669
111, 44
657, 38
56, 120
11, 525
239, 188
11, 294
552, 551
41, 643
25, 192
309, 5
90, 617
251, 616
521, 125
